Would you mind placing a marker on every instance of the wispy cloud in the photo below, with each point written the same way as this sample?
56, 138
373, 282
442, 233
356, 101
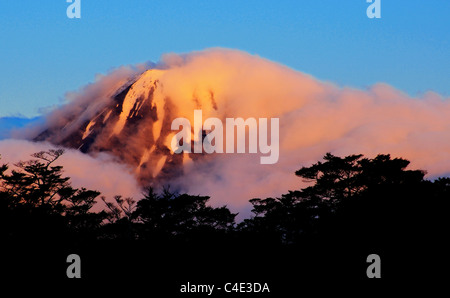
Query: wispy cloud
315, 117
10, 124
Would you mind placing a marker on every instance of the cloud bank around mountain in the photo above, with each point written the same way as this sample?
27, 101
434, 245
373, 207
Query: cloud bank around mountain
315, 117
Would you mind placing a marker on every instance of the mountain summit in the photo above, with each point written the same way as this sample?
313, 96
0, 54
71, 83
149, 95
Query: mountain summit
129, 113
134, 125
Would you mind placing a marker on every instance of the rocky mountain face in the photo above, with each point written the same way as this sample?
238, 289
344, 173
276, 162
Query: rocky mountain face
134, 125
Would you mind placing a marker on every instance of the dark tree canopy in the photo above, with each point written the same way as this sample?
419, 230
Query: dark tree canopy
350, 207
37, 201
353, 196
344, 194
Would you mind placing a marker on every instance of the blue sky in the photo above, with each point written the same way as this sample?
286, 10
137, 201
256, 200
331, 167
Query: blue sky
43, 54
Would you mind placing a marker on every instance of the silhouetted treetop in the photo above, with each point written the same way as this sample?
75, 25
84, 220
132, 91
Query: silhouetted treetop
344, 198
350, 192
37, 199
174, 214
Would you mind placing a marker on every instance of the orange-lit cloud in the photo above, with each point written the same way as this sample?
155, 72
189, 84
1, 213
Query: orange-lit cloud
101, 173
315, 117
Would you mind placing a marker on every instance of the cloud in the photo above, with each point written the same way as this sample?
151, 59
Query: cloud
100, 173
315, 117
83, 104
10, 124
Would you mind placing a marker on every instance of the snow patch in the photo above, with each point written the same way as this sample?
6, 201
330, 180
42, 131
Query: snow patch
88, 130
137, 90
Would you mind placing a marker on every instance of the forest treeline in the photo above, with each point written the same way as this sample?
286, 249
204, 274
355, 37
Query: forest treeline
347, 197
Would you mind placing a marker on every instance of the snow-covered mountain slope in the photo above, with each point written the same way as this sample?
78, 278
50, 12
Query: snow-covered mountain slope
134, 126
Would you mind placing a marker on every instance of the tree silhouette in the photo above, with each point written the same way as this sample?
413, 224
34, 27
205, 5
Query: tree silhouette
351, 196
121, 218
344, 196
37, 201
349, 206
180, 215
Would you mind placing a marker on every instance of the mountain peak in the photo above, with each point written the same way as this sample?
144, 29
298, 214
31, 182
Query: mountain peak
134, 126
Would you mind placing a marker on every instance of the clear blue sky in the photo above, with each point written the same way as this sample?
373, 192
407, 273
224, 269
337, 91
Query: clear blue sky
43, 54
